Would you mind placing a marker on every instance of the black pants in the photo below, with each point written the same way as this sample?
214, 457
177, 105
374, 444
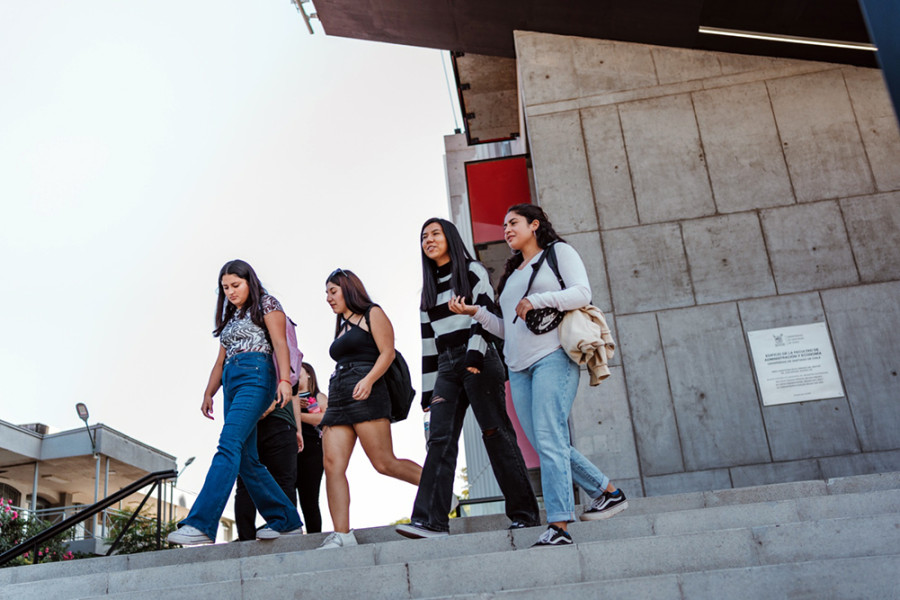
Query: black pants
309, 480
455, 389
276, 442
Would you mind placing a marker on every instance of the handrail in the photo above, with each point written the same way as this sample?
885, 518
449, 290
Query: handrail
153, 479
471, 501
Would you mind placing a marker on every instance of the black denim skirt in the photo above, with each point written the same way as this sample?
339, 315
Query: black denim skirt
343, 409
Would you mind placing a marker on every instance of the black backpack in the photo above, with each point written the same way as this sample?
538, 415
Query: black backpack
398, 382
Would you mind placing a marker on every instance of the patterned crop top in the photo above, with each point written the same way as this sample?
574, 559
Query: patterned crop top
241, 334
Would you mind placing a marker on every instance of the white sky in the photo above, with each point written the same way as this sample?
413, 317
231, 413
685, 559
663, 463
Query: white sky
144, 144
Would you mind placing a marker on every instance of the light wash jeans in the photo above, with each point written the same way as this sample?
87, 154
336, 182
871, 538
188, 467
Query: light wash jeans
249, 385
543, 395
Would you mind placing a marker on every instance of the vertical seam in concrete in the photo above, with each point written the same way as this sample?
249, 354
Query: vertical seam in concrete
837, 362
408, 580
759, 404
712, 191
849, 241
662, 349
687, 263
597, 210
765, 240
787, 167
587, 165
655, 70
862, 140
637, 211
634, 436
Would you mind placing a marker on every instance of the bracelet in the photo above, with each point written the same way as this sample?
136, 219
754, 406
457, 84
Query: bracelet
284, 380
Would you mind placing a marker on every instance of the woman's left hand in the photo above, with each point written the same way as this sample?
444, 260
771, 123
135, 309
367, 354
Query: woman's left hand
362, 389
299, 441
523, 307
474, 370
283, 394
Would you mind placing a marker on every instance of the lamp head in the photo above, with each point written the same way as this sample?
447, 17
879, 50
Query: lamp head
82, 409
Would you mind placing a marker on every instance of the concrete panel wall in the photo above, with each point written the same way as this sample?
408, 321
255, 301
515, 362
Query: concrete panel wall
728, 194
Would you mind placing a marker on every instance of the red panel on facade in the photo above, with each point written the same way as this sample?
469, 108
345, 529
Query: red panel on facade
495, 185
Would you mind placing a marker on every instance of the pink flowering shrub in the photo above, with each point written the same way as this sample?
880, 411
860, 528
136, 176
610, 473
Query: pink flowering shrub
15, 528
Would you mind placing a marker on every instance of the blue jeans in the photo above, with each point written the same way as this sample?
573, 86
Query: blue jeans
543, 395
249, 385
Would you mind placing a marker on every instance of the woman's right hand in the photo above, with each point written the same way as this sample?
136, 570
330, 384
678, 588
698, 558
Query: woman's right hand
458, 305
207, 407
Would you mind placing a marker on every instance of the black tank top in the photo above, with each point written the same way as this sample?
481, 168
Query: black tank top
354, 344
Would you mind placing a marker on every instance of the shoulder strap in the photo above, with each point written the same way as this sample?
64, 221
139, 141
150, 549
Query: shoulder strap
554, 264
534, 270
366, 315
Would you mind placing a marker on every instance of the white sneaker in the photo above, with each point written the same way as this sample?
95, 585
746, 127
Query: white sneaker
336, 539
267, 533
188, 536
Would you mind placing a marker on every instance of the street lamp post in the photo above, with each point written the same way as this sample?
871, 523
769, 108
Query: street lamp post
172, 487
83, 414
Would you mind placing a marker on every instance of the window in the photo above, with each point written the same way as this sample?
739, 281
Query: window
10, 493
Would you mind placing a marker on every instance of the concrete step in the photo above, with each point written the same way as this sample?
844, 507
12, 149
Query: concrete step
211, 564
800, 509
861, 578
488, 571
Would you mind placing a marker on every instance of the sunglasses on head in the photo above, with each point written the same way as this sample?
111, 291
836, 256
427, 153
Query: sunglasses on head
337, 271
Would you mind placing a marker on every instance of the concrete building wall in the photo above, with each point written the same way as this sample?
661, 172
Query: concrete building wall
711, 195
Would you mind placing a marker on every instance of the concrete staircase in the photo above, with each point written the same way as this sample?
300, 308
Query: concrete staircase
815, 539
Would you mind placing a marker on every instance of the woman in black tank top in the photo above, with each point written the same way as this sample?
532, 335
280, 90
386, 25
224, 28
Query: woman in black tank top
358, 401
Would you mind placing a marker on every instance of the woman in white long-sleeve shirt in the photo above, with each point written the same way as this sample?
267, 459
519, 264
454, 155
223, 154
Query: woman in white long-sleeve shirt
542, 377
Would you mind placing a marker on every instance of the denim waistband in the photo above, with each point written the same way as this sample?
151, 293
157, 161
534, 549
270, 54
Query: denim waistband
248, 357
355, 363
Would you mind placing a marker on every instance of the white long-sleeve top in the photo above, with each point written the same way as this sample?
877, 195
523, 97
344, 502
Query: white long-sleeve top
523, 348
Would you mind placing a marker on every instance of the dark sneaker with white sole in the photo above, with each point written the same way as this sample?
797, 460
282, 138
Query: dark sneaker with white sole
267, 533
418, 531
554, 536
605, 505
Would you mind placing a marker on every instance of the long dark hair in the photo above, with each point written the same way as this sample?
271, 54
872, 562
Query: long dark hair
313, 382
459, 265
355, 295
225, 310
545, 235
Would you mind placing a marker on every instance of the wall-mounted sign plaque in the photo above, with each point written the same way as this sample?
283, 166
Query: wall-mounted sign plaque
795, 364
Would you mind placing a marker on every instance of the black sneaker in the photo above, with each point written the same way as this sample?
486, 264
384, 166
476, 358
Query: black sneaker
554, 536
605, 505
418, 531
517, 525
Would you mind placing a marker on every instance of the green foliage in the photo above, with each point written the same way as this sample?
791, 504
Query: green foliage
16, 527
464, 475
141, 535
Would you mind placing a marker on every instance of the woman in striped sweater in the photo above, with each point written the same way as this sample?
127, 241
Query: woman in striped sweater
460, 368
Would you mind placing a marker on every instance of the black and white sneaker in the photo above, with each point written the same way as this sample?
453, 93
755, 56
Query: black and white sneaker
418, 531
554, 536
605, 505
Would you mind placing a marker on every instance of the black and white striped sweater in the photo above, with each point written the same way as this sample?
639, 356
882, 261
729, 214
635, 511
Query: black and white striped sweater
444, 329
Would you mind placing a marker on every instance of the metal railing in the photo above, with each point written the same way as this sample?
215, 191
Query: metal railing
473, 501
154, 480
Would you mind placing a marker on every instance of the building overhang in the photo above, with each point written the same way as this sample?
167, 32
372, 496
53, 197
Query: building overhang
66, 462
486, 26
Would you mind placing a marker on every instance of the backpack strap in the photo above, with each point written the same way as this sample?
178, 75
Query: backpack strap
550, 256
554, 264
